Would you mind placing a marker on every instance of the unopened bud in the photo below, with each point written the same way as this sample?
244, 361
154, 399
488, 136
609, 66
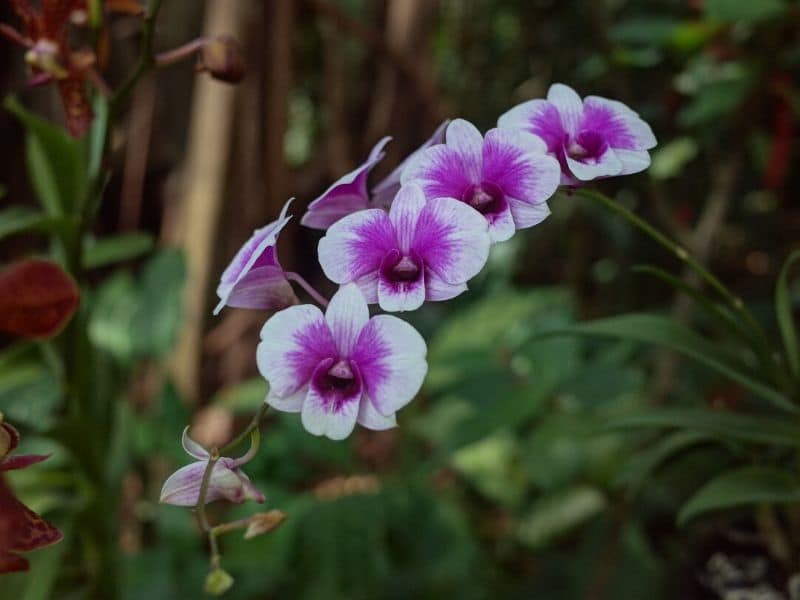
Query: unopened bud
222, 58
265, 522
218, 582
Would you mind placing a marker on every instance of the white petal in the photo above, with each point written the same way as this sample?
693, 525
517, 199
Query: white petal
633, 161
319, 417
400, 296
403, 214
191, 447
527, 215
465, 138
391, 358
369, 417
291, 403
437, 289
293, 342
607, 166
569, 106
346, 316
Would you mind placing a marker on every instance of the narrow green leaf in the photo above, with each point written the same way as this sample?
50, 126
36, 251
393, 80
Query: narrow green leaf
783, 310
558, 513
97, 136
19, 219
655, 329
726, 425
116, 249
55, 160
748, 485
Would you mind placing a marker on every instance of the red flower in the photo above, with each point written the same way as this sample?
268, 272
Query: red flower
46, 36
21, 529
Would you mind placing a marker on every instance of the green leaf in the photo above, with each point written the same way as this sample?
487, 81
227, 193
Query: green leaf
726, 425
672, 157
783, 310
55, 160
732, 11
644, 463
117, 249
97, 136
29, 395
558, 513
748, 485
19, 219
662, 331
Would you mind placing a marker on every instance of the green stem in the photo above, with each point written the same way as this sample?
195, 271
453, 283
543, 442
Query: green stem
146, 57
683, 255
254, 425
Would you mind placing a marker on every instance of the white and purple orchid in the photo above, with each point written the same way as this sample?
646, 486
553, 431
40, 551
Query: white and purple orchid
421, 250
342, 367
591, 138
227, 480
506, 176
255, 278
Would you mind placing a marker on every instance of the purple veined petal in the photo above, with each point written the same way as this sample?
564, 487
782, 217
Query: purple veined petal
398, 295
633, 161
293, 342
345, 196
464, 138
368, 284
354, 246
501, 225
291, 403
527, 215
191, 447
346, 316
516, 162
332, 405
256, 252
605, 166
404, 214
437, 289
440, 172
622, 127
264, 288
384, 192
453, 240
369, 417
540, 118
391, 357
569, 105
182, 488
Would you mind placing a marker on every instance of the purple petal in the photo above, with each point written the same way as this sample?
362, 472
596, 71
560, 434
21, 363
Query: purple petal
404, 214
328, 411
391, 357
516, 162
452, 239
258, 252
354, 246
293, 342
569, 105
501, 225
448, 170
605, 166
182, 488
384, 192
527, 215
538, 117
347, 314
191, 447
620, 126
398, 296
369, 417
264, 288
346, 196
22, 461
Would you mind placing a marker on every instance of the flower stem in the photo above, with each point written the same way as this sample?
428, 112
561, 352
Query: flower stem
214, 456
254, 424
170, 57
300, 280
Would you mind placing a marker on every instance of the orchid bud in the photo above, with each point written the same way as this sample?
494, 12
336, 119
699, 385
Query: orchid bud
222, 58
227, 480
265, 522
218, 582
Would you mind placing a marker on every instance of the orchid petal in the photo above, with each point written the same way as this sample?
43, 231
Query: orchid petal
346, 316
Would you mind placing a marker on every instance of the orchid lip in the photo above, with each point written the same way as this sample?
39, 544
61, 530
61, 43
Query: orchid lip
486, 198
401, 268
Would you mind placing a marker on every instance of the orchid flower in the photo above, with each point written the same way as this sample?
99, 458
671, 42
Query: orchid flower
342, 367
421, 250
506, 176
227, 479
255, 278
21, 529
591, 138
